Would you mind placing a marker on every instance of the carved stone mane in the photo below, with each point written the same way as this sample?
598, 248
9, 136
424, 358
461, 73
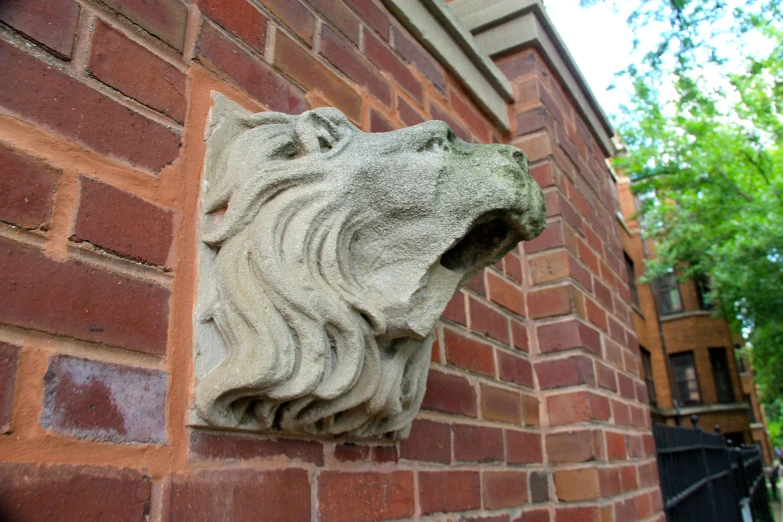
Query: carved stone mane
327, 256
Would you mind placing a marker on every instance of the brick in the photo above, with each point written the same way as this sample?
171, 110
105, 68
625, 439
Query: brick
501, 405
550, 302
450, 394
478, 443
625, 511
536, 515
50, 22
455, 309
428, 441
386, 61
530, 410
477, 283
570, 371
374, 15
240, 18
151, 81
648, 474
206, 445
488, 321
642, 395
123, 223
295, 15
340, 16
350, 452
609, 479
585, 514
519, 336
506, 294
103, 401
606, 376
567, 335
378, 123
513, 267
544, 175
550, 266
574, 446
381, 454
448, 491
523, 447
165, 19
410, 117
9, 361
503, 489
626, 386
281, 495
349, 60
47, 97
439, 113
569, 408
428, 67
76, 300
615, 445
628, 479
356, 497
603, 294
72, 493
522, 64
596, 314
644, 507
539, 487
515, 369
536, 147
577, 484
27, 188
468, 353
534, 120
306, 70
259, 80
621, 413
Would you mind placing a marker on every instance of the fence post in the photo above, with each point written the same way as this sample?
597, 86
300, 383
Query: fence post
707, 474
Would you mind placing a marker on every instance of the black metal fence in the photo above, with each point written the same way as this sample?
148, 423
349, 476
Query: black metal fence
703, 480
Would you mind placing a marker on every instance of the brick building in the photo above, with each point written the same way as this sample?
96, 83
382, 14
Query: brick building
536, 407
688, 355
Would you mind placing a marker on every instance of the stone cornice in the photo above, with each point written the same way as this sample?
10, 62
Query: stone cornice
500, 26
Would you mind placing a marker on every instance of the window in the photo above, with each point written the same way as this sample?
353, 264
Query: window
751, 413
702, 283
685, 377
669, 294
648, 376
720, 370
631, 279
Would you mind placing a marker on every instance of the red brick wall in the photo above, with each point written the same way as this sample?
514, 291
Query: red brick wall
534, 411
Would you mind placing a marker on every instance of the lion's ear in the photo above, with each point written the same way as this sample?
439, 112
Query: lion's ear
318, 131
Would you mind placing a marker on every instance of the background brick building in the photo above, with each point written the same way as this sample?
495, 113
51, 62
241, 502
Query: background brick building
536, 408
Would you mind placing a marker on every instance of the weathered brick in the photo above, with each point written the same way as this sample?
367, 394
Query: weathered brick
103, 401
9, 360
373, 14
340, 16
428, 67
348, 59
50, 22
506, 294
381, 454
550, 302
516, 369
350, 452
79, 301
582, 406
27, 188
570, 371
501, 405
448, 491
574, 446
567, 335
47, 97
523, 447
306, 70
386, 61
123, 223
72, 493
488, 321
205, 445
259, 80
539, 487
478, 443
428, 441
503, 489
575, 485
165, 19
450, 393
356, 497
295, 15
468, 353
238, 17
239, 495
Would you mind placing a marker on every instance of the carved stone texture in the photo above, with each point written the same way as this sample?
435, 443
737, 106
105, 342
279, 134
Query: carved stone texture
327, 256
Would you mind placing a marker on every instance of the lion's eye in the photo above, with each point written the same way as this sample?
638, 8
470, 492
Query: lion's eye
436, 144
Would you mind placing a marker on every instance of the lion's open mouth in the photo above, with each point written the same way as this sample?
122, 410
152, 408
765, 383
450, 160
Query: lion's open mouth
485, 240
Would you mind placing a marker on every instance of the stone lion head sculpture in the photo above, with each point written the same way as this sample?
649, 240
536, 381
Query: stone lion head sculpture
327, 257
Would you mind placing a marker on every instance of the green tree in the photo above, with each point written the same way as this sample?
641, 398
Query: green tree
704, 138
